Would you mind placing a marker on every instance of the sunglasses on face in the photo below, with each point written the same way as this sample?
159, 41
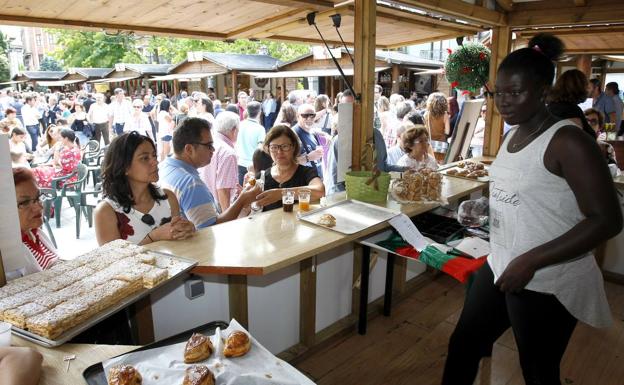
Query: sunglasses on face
592, 121
308, 116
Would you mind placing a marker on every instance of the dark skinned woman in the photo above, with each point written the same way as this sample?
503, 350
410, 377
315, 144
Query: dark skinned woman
548, 211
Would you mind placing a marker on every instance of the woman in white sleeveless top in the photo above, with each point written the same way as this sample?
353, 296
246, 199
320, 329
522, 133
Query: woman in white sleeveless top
134, 208
552, 201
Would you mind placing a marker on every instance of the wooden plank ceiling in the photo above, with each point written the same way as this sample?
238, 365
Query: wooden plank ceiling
399, 22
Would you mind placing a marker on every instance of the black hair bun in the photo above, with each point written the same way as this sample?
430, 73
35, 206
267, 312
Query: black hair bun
551, 46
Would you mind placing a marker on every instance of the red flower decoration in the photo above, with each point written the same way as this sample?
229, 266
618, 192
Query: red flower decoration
123, 223
482, 56
450, 51
465, 92
454, 84
466, 70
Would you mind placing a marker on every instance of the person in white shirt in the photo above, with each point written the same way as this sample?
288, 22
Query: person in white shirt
99, 116
139, 121
251, 135
613, 90
415, 144
269, 109
31, 117
120, 111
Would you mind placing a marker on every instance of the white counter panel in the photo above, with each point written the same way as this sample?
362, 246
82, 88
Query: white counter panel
274, 308
334, 277
174, 313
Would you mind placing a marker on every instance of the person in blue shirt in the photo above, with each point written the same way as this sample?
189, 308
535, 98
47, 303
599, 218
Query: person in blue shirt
192, 149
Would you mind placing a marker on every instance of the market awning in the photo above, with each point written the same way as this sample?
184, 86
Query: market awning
423, 71
57, 83
186, 77
306, 73
114, 80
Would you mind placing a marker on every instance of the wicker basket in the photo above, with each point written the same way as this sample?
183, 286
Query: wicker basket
358, 189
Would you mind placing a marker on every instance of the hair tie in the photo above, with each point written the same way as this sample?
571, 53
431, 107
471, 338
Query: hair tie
538, 49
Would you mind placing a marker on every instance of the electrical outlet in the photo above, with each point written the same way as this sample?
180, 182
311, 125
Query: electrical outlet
193, 288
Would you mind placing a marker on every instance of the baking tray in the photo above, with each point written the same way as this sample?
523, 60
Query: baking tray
94, 374
163, 260
437, 227
484, 179
351, 215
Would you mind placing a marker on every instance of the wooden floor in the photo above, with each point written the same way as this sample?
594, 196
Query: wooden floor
410, 346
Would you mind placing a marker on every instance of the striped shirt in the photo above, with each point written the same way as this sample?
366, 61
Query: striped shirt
44, 256
196, 202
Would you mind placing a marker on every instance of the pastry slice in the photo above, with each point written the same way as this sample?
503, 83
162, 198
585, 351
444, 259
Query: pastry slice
198, 375
124, 375
237, 344
198, 348
327, 220
154, 276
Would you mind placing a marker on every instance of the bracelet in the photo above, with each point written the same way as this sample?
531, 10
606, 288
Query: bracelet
150, 238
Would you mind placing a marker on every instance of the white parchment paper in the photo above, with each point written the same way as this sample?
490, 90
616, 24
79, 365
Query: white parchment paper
166, 365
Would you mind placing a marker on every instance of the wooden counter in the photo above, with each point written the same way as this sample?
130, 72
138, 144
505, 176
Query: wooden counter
272, 240
54, 368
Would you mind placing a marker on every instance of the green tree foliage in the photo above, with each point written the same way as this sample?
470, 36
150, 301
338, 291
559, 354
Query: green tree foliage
5, 72
175, 49
94, 49
50, 64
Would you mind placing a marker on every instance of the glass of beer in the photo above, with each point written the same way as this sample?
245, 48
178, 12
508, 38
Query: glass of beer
288, 200
304, 200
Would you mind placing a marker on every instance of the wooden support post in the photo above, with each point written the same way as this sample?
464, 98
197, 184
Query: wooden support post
501, 45
364, 82
400, 275
144, 323
234, 86
237, 290
307, 301
395, 79
583, 64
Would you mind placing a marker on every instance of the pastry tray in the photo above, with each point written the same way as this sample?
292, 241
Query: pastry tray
94, 374
163, 260
352, 216
484, 179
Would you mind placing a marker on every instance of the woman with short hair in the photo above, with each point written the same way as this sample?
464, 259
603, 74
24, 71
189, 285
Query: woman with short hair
283, 145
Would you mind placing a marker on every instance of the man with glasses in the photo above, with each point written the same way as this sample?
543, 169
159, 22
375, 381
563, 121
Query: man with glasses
251, 135
311, 143
193, 148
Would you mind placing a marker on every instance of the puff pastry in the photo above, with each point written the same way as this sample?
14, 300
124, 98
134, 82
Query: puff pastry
198, 375
124, 375
237, 344
327, 220
198, 348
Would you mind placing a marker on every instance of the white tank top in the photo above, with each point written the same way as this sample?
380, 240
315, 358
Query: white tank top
530, 206
131, 226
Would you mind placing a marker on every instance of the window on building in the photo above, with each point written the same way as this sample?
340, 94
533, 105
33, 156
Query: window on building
38, 40
51, 39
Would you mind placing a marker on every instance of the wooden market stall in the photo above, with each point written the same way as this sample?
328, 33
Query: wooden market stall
220, 72
135, 78
395, 71
43, 79
81, 76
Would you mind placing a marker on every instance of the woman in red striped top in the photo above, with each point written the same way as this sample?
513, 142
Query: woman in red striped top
40, 254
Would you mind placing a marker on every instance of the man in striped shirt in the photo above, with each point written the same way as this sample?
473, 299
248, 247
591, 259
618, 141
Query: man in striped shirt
193, 148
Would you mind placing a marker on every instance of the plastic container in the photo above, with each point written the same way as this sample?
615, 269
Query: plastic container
359, 186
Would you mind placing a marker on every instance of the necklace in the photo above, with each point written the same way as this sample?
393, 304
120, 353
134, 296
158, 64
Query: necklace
524, 141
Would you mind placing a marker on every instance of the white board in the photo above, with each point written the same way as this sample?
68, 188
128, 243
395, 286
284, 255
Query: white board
345, 139
10, 239
464, 130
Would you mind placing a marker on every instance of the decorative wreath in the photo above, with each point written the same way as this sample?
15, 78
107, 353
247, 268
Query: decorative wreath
468, 67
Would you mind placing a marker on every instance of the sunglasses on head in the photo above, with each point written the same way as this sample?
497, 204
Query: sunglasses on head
150, 221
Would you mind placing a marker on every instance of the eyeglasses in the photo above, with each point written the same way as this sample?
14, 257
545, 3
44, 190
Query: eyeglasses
28, 202
592, 121
209, 145
308, 116
422, 141
280, 147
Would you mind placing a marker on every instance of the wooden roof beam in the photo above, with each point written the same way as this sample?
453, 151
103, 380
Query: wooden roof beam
580, 3
563, 31
421, 23
97, 26
279, 19
556, 13
390, 13
317, 5
507, 5
460, 10
284, 28
425, 40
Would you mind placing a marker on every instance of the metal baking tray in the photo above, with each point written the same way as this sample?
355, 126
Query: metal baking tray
94, 374
352, 216
163, 260
483, 179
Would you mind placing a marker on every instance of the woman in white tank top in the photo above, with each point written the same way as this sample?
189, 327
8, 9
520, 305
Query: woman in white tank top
134, 208
552, 201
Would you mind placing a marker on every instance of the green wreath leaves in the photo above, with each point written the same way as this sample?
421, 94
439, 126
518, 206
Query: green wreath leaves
468, 67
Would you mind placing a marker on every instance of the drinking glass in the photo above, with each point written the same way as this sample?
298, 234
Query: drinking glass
304, 200
288, 200
255, 207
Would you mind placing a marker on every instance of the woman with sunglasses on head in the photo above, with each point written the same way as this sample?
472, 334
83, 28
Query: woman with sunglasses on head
284, 146
548, 211
134, 208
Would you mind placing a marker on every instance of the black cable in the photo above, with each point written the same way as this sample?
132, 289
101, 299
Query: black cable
345, 46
